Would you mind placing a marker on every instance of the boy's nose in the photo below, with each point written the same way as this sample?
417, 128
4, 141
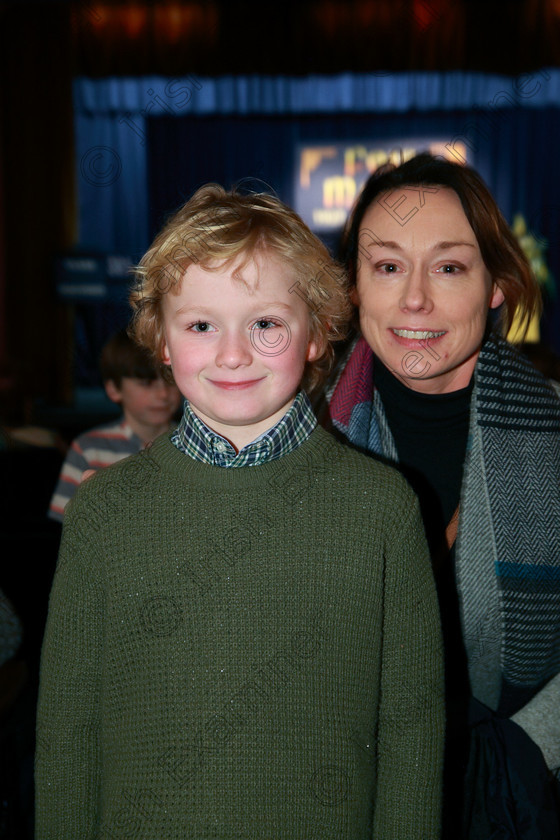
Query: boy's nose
234, 351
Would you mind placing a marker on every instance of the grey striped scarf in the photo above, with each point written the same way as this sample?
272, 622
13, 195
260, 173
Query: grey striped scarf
508, 545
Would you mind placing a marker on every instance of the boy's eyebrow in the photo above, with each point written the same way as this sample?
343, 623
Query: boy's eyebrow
204, 310
278, 304
188, 307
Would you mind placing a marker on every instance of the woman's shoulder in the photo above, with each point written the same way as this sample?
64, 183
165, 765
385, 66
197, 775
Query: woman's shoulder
498, 354
511, 392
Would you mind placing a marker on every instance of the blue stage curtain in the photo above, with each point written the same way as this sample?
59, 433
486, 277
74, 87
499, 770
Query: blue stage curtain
380, 92
157, 140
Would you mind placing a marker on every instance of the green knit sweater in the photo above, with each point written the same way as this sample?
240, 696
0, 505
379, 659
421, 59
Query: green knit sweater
241, 653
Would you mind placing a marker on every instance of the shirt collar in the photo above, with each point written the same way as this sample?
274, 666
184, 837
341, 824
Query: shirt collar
194, 438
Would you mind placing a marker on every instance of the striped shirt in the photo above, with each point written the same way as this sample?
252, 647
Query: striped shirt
93, 450
194, 438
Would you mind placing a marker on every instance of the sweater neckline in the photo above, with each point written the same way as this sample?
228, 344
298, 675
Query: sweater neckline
320, 446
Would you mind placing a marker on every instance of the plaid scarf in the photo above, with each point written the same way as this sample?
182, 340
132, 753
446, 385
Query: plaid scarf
508, 545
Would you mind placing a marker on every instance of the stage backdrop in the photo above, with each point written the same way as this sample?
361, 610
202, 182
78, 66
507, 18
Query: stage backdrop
144, 145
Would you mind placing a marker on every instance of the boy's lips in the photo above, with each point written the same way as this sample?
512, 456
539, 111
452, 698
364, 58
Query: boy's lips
240, 385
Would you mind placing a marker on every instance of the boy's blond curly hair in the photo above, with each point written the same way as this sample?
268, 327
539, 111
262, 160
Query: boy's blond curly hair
215, 228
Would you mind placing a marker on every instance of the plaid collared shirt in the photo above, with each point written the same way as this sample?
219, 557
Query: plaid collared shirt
194, 438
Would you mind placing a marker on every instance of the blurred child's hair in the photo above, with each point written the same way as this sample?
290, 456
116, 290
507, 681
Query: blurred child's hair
216, 228
122, 356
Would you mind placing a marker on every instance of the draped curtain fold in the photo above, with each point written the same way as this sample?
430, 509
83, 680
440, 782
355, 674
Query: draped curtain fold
347, 92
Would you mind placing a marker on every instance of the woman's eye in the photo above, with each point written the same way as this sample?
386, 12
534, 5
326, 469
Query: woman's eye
449, 269
201, 326
388, 268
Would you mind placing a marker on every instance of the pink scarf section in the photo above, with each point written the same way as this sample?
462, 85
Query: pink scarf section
355, 385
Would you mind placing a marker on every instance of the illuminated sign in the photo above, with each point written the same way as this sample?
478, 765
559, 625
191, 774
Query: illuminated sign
90, 278
330, 178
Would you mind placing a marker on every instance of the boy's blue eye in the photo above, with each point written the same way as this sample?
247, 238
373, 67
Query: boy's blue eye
265, 324
201, 326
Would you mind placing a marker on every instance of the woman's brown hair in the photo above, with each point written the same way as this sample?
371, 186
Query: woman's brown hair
501, 252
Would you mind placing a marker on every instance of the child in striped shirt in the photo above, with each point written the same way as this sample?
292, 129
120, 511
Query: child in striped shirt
148, 405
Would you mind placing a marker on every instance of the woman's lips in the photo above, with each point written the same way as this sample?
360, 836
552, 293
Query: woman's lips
418, 335
414, 338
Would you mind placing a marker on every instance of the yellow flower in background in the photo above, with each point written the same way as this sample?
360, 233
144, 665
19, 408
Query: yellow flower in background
534, 249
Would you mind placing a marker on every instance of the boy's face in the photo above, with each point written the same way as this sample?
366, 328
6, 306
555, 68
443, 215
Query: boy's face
238, 349
146, 403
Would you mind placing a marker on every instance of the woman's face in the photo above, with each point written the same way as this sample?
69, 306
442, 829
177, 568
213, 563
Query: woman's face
423, 289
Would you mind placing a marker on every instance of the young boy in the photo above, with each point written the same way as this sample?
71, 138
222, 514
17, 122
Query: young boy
243, 639
148, 404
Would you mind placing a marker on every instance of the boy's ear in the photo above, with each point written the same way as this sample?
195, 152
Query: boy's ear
313, 351
165, 357
113, 391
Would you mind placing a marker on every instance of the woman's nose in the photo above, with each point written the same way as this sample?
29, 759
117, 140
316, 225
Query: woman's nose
416, 292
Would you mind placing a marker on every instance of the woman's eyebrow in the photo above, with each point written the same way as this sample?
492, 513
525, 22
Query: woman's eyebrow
440, 246
387, 243
443, 245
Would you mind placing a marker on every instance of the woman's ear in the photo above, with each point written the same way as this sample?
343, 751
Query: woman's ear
354, 295
497, 297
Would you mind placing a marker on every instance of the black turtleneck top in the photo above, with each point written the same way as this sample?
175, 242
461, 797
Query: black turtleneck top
430, 433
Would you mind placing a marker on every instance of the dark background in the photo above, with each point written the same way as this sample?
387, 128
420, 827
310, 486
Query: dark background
44, 46
45, 211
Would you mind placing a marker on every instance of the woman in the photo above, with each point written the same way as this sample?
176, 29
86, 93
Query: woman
476, 430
